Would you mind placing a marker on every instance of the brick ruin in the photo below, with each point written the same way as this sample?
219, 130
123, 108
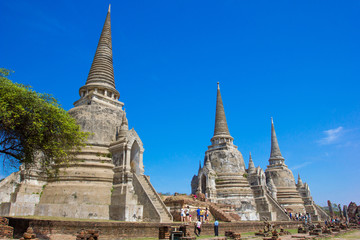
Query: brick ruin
6, 231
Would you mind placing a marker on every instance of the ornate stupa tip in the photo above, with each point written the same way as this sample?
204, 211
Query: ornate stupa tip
251, 168
300, 183
221, 130
100, 80
275, 149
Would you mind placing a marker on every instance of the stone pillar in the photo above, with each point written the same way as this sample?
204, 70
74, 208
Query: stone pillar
128, 152
330, 209
141, 163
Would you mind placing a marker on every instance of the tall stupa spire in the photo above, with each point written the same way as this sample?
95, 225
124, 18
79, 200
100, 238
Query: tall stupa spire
275, 155
251, 168
221, 128
101, 75
299, 183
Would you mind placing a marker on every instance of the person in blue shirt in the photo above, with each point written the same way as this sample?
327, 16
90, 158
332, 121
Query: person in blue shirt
216, 227
198, 213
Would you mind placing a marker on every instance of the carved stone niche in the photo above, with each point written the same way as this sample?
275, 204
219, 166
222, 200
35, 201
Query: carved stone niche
127, 153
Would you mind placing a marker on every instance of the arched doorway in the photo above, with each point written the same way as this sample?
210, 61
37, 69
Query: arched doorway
135, 158
203, 184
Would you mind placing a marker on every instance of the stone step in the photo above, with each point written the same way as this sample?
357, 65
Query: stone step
157, 204
233, 186
242, 186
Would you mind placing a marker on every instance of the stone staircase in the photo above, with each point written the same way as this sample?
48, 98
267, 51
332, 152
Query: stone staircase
165, 215
219, 214
322, 214
281, 215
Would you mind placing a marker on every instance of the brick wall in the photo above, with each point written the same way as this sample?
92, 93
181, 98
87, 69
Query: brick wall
114, 230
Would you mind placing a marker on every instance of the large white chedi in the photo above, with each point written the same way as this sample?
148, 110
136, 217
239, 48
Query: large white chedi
222, 178
106, 181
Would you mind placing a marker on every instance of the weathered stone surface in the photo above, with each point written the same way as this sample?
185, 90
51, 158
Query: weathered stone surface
229, 160
106, 179
21, 199
222, 178
7, 186
287, 193
100, 120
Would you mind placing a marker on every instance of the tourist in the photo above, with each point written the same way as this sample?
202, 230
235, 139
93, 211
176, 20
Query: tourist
187, 213
202, 212
198, 213
290, 216
182, 214
198, 228
216, 227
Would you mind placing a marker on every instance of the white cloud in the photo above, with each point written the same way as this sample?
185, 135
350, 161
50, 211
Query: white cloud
331, 135
300, 166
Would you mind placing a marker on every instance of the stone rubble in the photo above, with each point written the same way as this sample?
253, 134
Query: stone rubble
29, 235
6, 231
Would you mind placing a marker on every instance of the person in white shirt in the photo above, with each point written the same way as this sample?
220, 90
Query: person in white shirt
182, 213
198, 228
188, 214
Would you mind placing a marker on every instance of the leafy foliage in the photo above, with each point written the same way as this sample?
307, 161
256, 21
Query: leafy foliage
33, 127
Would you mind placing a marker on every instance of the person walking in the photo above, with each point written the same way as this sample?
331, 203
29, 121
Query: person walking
216, 227
198, 228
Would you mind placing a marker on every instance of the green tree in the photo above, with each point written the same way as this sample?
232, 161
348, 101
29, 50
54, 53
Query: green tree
33, 126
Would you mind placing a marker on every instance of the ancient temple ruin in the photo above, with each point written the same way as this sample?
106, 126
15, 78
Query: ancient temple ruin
223, 176
256, 194
106, 180
287, 194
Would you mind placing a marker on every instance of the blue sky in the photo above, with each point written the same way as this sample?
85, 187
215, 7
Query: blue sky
296, 61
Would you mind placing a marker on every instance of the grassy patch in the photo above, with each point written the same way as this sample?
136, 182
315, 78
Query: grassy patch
292, 231
354, 234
